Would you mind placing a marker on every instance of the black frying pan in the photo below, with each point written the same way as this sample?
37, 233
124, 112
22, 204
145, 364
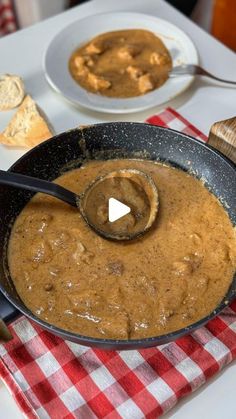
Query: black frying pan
124, 140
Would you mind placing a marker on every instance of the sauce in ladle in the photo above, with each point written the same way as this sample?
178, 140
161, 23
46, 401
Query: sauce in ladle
132, 187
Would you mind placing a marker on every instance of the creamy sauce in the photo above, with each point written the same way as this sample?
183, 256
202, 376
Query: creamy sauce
121, 64
171, 277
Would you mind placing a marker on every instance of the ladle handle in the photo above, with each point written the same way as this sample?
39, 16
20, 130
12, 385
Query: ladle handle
38, 185
222, 136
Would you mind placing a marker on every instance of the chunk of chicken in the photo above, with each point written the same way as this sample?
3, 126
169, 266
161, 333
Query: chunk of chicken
85, 301
82, 255
125, 224
135, 194
182, 268
125, 53
102, 214
157, 59
93, 49
115, 327
146, 285
82, 72
172, 297
60, 239
98, 83
145, 83
40, 252
196, 239
81, 61
115, 267
188, 265
89, 62
134, 72
128, 52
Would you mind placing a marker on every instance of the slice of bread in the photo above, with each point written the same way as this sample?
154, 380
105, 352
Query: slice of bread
27, 128
12, 91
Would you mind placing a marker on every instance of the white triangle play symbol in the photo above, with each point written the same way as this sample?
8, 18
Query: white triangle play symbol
116, 209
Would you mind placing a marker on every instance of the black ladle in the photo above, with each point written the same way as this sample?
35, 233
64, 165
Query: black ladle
50, 188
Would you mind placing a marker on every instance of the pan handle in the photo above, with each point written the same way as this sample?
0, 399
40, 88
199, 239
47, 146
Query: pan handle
222, 136
5, 335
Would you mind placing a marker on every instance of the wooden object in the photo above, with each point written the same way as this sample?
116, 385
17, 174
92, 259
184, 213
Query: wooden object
5, 335
222, 136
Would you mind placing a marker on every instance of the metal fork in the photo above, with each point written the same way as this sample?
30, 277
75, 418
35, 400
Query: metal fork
195, 70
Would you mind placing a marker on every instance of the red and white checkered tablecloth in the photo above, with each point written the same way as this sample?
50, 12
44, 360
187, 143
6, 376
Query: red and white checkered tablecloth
52, 378
7, 17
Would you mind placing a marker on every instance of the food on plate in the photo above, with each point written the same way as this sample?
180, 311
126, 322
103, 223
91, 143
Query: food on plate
121, 64
12, 91
168, 279
27, 128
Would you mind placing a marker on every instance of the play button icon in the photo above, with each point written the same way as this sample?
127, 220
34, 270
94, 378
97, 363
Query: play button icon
116, 209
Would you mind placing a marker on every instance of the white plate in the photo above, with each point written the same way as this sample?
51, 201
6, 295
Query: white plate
56, 58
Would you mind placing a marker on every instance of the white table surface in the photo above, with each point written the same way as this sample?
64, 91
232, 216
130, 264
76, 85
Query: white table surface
203, 104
